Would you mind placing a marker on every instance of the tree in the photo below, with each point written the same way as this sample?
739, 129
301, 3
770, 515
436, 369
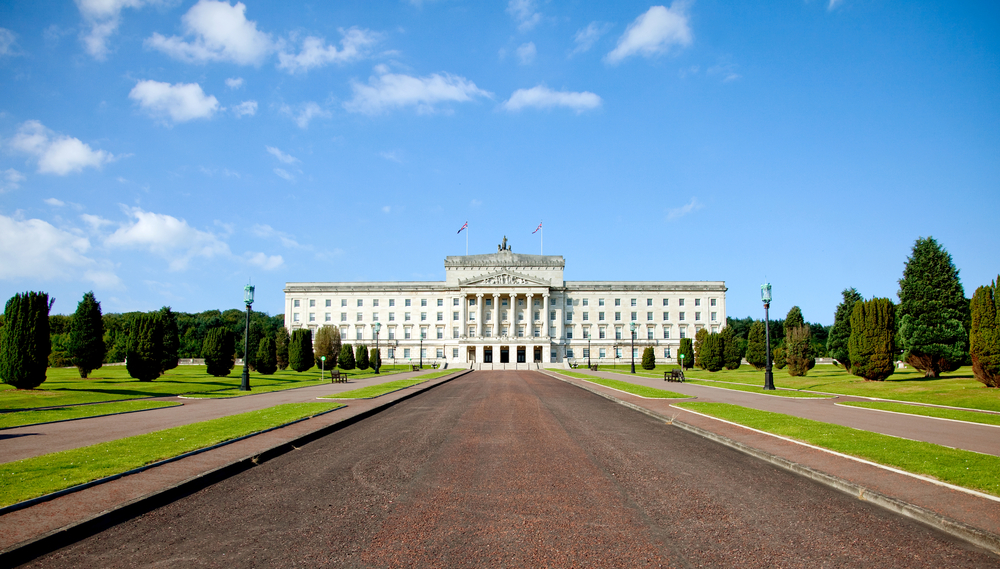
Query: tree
699, 346
376, 358
778, 355
24, 340
798, 351
872, 344
346, 359
732, 352
648, 358
932, 309
836, 342
267, 362
361, 356
144, 358
687, 350
713, 352
86, 336
740, 326
323, 346
219, 351
756, 352
171, 339
984, 334
281, 340
300, 351
256, 335
793, 320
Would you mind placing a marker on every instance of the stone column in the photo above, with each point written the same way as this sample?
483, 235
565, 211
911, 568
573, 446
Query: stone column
464, 315
480, 325
529, 316
512, 316
496, 316
545, 314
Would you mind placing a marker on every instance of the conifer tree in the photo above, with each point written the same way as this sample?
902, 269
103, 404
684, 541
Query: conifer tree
144, 358
732, 349
687, 349
984, 334
778, 355
872, 345
756, 348
346, 359
713, 352
266, 360
300, 352
932, 310
361, 356
171, 339
699, 346
24, 340
836, 342
219, 351
281, 340
323, 346
256, 335
648, 358
86, 336
798, 350
793, 320
376, 359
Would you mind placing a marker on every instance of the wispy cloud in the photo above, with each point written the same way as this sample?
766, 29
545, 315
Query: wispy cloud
180, 102
168, 237
654, 33
284, 174
277, 153
234, 82
10, 179
315, 52
541, 97
304, 113
56, 153
35, 249
525, 13
387, 91
679, 212
526, 53
587, 37
245, 109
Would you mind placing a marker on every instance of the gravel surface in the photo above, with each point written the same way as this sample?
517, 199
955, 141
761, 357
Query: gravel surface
516, 469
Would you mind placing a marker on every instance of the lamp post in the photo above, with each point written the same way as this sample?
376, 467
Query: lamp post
765, 296
248, 299
588, 350
631, 328
322, 368
682, 363
421, 349
378, 361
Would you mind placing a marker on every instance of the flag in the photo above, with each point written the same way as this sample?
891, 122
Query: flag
466, 226
537, 228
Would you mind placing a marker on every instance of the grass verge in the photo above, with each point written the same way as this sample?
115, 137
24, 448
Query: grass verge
640, 390
959, 467
36, 416
32, 477
375, 390
757, 389
954, 414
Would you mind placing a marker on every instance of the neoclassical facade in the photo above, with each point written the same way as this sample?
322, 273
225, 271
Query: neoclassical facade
505, 310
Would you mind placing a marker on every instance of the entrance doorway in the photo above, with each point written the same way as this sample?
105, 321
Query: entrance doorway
488, 355
504, 355
538, 354
521, 355
471, 354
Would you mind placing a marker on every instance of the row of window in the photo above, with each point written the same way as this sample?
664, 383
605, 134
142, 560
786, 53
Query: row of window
296, 303
635, 316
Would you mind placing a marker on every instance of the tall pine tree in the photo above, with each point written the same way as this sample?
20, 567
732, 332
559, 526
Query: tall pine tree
361, 356
686, 349
984, 334
144, 358
281, 340
24, 340
836, 342
346, 359
300, 351
86, 336
732, 355
323, 346
713, 352
171, 339
699, 347
219, 351
932, 310
872, 344
756, 348
266, 361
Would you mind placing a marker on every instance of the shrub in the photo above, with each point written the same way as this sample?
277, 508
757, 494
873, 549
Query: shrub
253, 342
872, 345
756, 347
793, 320
86, 336
346, 359
699, 346
144, 359
648, 358
267, 362
300, 352
361, 356
713, 353
281, 340
219, 351
984, 334
24, 340
323, 346
687, 349
840, 333
376, 359
732, 348
778, 355
798, 351
171, 339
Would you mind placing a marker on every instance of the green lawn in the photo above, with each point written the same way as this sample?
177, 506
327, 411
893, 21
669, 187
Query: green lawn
235, 392
757, 389
36, 416
112, 383
959, 467
640, 390
955, 414
373, 391
32, 477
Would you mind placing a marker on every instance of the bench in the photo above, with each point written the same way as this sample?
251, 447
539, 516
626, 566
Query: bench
673, 375
572, 366
593, 367
337, 377
414, 368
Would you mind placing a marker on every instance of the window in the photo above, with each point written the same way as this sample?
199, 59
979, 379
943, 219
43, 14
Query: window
633, 302
374, 316
649, 316
552, 315
489, 332
715, 329
537, 303
406, 333
569, 317
295, 317
440, 333
454, 352
360, 334
312, 316
697, 316
454, 302
472, 331
295, 303
472, 316
361, 302
666, 316
569, 352
680, 316
649, 333
440, 316
635, 352
454, 315
666, 333
312, 304
586, 302
343, 317
503, 331
537, 332
538, 315
343, 303
683, 333
618, 316
586, 316
423, 302
423, 316
406, 352
503, 302
666, 302
715, 316
618, 352
489, 302
406, 316
361, 316
553, 355
392, 317
520, 316
406, 302
391, 353
618, 302
440, 302
649, 302
375, 302
601, 353
666, 352
392, 302
586, 352
600, 316
600, 302
711, 302
327, 317
680, 302
586, 333
697, 302
569, 333
330, 302
602, 332
520, 302
520, 331
618, 332
633, 319
392, 335
503, 316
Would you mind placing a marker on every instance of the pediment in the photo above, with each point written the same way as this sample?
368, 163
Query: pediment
505, 277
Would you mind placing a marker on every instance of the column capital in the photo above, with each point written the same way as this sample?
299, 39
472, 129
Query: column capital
545, 295
480, 295
529, 294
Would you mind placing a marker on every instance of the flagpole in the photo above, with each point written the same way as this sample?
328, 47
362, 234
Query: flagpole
466, 241
542, 250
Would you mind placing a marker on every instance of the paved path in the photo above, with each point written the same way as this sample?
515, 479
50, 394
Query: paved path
25, 442
517, 469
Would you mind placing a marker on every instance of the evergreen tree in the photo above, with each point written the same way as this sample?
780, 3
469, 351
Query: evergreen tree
732, 352
376, 359
300, 352
86, 336
798, 350
648, 358
836, 342
713, 353
687, 349
361, 356
281, 340
984, 334
699, 347
256, 335
24, 340
778, 355
793, 320
144, 358
219, 351
266, 360
346, 359
872, 345
171, 339
932, 310
323, 346
756, 352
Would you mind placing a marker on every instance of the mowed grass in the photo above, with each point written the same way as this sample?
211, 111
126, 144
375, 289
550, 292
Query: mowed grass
640, 390
32, 477
956, 389
373, 391
757, 389
959, 467
64, 386
953, 414
36, 416
254, 389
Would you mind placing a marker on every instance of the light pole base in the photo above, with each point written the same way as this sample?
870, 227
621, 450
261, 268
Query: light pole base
768, 381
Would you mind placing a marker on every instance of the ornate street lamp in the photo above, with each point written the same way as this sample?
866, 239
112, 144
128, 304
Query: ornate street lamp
421, 349
765, 297
378, 361
248, 299
631, 327
588, 350
682, 363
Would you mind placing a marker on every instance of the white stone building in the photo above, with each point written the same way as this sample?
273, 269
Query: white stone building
505, 311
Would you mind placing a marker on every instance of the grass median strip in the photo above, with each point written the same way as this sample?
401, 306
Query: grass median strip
954, 414
373, 391
756, 389
36, 416
959, 467
640, 390
32, 477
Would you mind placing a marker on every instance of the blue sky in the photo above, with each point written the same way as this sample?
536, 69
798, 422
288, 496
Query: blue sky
163, 152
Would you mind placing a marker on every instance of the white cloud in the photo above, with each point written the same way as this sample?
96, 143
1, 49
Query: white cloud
220, 32
306, 112
268, 232
166, 236
181, 102
725, 70
34, 249
7, 41
284, 174
54, 202
103, 17
277, 153
679, 212
56, 153
654, 33
526, 53
234, 82
10, 179
266, 262
315, 52
95, 222
390, 91
391, 156
524, 13
246, 108
833, 4
542, 97
587, 37
386, 209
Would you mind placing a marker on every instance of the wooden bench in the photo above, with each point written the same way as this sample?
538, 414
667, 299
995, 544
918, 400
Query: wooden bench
414, 368
593, 367
673, 375
337, 377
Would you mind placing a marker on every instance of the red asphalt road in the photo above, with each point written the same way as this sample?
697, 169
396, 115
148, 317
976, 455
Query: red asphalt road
517, 469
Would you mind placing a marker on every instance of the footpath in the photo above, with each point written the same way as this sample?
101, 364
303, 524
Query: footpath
969, 515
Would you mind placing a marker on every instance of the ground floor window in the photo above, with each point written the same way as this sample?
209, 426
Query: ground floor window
586, 352
406, 352
569, 352
601, 353
454, 352
553, 355
391, 353
666, 352
440, 352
